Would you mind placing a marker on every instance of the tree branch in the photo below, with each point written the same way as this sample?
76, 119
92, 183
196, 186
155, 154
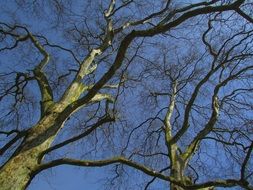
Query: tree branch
106, 119
19, 135
100, 163
244, 15
142, 168
245, 161
144, 33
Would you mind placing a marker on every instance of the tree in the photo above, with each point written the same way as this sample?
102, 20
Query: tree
68, 71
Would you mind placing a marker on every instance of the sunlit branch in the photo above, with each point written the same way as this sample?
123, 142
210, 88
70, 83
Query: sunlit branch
45, 89
129, 38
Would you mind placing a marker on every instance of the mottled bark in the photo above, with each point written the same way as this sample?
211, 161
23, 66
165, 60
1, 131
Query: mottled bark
178, 173
17, 173
19, 170
177, 168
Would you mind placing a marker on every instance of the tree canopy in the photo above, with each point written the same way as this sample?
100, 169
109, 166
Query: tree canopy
160, 91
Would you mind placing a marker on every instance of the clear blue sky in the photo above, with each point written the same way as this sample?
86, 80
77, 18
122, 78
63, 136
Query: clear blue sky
68, 178
63, 177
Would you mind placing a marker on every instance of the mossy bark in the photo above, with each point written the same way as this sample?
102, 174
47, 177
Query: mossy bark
178, 168
18, 171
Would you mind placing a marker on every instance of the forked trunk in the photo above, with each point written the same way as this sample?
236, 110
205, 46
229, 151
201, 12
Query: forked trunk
178, 173
178, 167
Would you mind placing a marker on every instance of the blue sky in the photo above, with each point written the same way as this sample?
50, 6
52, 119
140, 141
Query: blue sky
68, 178
65, 177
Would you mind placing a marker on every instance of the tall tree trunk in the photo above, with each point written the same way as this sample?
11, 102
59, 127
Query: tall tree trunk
19, 170
17, 173
177, 172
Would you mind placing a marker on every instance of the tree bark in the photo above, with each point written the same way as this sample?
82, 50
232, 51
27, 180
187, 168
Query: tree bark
178, 167
177, 172
18, 171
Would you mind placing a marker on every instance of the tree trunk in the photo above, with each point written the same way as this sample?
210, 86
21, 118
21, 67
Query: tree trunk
18, 171
177, 172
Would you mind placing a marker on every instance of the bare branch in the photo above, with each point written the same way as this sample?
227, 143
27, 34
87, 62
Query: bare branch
245, 161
